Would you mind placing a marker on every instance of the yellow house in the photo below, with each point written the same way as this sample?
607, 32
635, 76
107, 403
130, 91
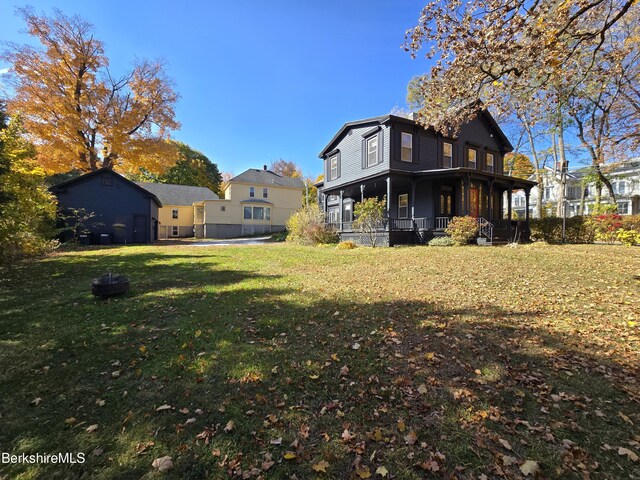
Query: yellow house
255, 202
175, 217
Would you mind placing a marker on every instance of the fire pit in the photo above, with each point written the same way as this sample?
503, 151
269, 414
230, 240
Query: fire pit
108, 285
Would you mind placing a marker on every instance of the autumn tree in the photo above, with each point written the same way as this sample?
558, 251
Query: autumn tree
27, 209
518, 165
487, 50
79, 113
369, 220
193, 168
286, 168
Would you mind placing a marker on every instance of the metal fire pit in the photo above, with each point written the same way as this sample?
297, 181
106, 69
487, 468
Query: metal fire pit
109, 285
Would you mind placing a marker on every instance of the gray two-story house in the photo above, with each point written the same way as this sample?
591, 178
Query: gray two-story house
427, 178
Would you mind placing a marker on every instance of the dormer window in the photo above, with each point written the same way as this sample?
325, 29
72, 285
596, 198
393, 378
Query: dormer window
447, 155
372, 151
406, 154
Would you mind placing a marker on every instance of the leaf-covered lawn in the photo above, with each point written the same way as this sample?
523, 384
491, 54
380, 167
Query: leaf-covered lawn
298, 362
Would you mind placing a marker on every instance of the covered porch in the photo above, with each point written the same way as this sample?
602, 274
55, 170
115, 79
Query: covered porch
420, 205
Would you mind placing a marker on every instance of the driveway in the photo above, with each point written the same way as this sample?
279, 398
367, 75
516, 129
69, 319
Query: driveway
231, 241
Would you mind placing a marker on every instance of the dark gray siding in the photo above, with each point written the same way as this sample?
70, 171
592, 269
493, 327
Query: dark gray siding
351, 156
477, 133
115, 205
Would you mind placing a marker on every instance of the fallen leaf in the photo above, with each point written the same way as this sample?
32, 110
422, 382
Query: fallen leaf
411, 437
507, 460
505, 444
267, 465
100, 402
276, 441
529, 467
289, 455
163, 464
36, 401
625, 418
356, 346
401, 425
92, 428
344, 371
162, 408
230, 426
422, 389
321, 466
70, 421
115, 374
382, 471
629, 453
363, 472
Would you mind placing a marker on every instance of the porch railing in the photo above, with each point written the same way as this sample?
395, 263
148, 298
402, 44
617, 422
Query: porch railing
401, 224
442, 223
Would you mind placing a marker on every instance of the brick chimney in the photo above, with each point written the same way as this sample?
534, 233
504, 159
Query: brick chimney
264, 167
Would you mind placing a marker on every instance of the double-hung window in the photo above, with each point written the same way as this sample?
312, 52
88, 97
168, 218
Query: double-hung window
265, 192
447, 155
403, 205
175, 231
174, 213
372, 151
406, 153
252, 192
333, 167
472, 158
489, 162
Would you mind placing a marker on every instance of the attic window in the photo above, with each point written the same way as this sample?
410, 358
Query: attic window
174, 213
106, 181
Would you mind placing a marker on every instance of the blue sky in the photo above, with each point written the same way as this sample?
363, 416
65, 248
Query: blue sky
258, 80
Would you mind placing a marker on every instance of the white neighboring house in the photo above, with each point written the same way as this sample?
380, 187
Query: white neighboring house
624, 177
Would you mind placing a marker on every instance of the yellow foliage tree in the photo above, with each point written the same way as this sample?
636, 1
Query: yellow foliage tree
77, 113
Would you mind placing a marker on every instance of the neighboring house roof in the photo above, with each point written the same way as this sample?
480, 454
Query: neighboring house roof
171, 194
105, 171
387, 118
267, 177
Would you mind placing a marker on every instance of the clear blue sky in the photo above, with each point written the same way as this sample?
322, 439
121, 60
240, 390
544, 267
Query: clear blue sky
258, 80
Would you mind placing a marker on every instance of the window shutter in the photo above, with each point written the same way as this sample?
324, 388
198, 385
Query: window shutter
364, 153
439, 153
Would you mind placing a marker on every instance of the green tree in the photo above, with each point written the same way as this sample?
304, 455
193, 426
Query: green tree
193, 168
27, 208
370, 218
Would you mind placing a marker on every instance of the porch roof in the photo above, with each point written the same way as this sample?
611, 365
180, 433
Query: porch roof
458, 172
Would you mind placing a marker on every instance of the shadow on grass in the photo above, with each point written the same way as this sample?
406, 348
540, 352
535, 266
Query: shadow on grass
233, 345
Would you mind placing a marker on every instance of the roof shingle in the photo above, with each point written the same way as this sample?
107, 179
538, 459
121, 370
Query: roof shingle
170, 194
267, 177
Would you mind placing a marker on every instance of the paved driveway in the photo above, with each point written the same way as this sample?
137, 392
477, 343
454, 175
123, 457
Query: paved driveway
231, 241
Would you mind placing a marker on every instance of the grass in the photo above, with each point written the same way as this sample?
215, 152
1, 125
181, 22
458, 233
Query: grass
451, 354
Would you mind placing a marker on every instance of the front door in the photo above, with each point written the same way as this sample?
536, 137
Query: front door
474, 202
140, 229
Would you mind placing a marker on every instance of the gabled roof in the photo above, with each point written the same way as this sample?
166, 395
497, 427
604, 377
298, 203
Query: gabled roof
267, 177
170, 194
105, 171
386, 118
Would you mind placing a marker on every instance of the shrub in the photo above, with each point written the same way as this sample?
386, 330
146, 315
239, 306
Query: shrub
370, 218
279, 236
462, 229
348, 245
628, 237
606, 227
578, 229
441, 242
307, 226
631, 222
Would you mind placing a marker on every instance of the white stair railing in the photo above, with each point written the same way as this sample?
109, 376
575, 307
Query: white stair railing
485, 228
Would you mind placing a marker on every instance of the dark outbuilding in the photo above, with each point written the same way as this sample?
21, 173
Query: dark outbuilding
124, 211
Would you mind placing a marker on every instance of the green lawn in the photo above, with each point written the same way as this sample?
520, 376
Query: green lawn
429, 362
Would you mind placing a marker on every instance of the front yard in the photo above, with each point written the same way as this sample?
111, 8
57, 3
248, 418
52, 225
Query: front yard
279, 360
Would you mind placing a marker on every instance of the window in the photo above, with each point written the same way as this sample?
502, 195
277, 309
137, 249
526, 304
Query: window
623, 208
106, 181
447, 155
489, 166
407, 147
223, 208
333, 171
372, 151
247, 213
174, 213
403, 205
548, 193
265, 192
252, 192
174, 231
258, 213
267, 213
472, 157
620, 188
